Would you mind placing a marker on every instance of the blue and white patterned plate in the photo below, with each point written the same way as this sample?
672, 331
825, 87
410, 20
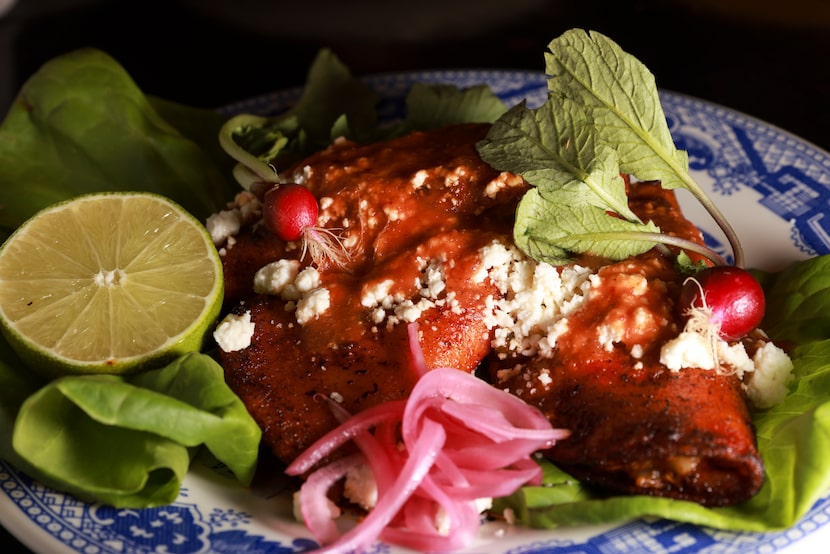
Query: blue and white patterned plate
773, 187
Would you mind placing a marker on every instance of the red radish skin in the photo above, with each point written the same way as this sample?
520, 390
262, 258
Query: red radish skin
289, 209
732, 297
290, 212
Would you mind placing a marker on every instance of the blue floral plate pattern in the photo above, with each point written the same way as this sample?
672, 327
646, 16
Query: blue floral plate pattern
773, 187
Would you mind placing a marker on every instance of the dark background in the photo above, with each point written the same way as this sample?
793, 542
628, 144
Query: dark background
768, 59
765, 58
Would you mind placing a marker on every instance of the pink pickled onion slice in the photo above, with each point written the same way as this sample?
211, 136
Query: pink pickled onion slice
455, 440
415, 351
314, 501
331, 441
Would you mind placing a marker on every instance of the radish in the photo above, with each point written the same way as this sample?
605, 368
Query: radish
726, 297
290, 209
290, 212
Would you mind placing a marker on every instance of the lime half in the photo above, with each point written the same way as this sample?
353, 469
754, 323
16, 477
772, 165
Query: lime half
108, 283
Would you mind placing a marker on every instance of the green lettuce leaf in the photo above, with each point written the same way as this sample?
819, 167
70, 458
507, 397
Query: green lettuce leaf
336, 104
80, 124
333, 104
434, 106
798, 298
128, 441
793, 437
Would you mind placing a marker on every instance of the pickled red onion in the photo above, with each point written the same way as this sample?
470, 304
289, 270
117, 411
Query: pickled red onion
456, 439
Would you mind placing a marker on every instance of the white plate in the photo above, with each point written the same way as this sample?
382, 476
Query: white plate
773, 187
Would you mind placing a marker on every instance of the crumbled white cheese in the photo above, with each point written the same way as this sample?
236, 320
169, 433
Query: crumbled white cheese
276, 276
307, 280
396, 307
452, 178
766, 375
611, 333
694, 349
392, 214
234, 332
227, 223
301, 289
300, 176
419, 179
536, 298
312, 304
688, 349
766, 386
376, 294
223, 224
360, 486
503, 181
442, 520
734, 357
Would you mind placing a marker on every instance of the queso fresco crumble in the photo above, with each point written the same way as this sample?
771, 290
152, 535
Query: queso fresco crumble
526, 318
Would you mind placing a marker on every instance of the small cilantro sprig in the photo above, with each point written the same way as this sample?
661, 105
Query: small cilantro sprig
603, 117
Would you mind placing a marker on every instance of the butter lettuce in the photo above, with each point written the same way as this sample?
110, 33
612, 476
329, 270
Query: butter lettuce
798, 299
793, 437
127, 441
80, 124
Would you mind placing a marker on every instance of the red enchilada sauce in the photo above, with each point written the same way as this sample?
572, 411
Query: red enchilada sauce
415, 214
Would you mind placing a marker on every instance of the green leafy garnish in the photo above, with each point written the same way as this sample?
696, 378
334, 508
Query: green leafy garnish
128, 441
603, 117
336, 104
80, 124
434, 106
798, 298
333, 104
544, 231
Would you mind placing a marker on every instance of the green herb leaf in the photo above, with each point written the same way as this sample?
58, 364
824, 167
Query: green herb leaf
550, 226
554, 147
621, 95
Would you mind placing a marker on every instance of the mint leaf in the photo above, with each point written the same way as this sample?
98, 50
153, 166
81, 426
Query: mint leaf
621, 95
555, 148
548, 228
